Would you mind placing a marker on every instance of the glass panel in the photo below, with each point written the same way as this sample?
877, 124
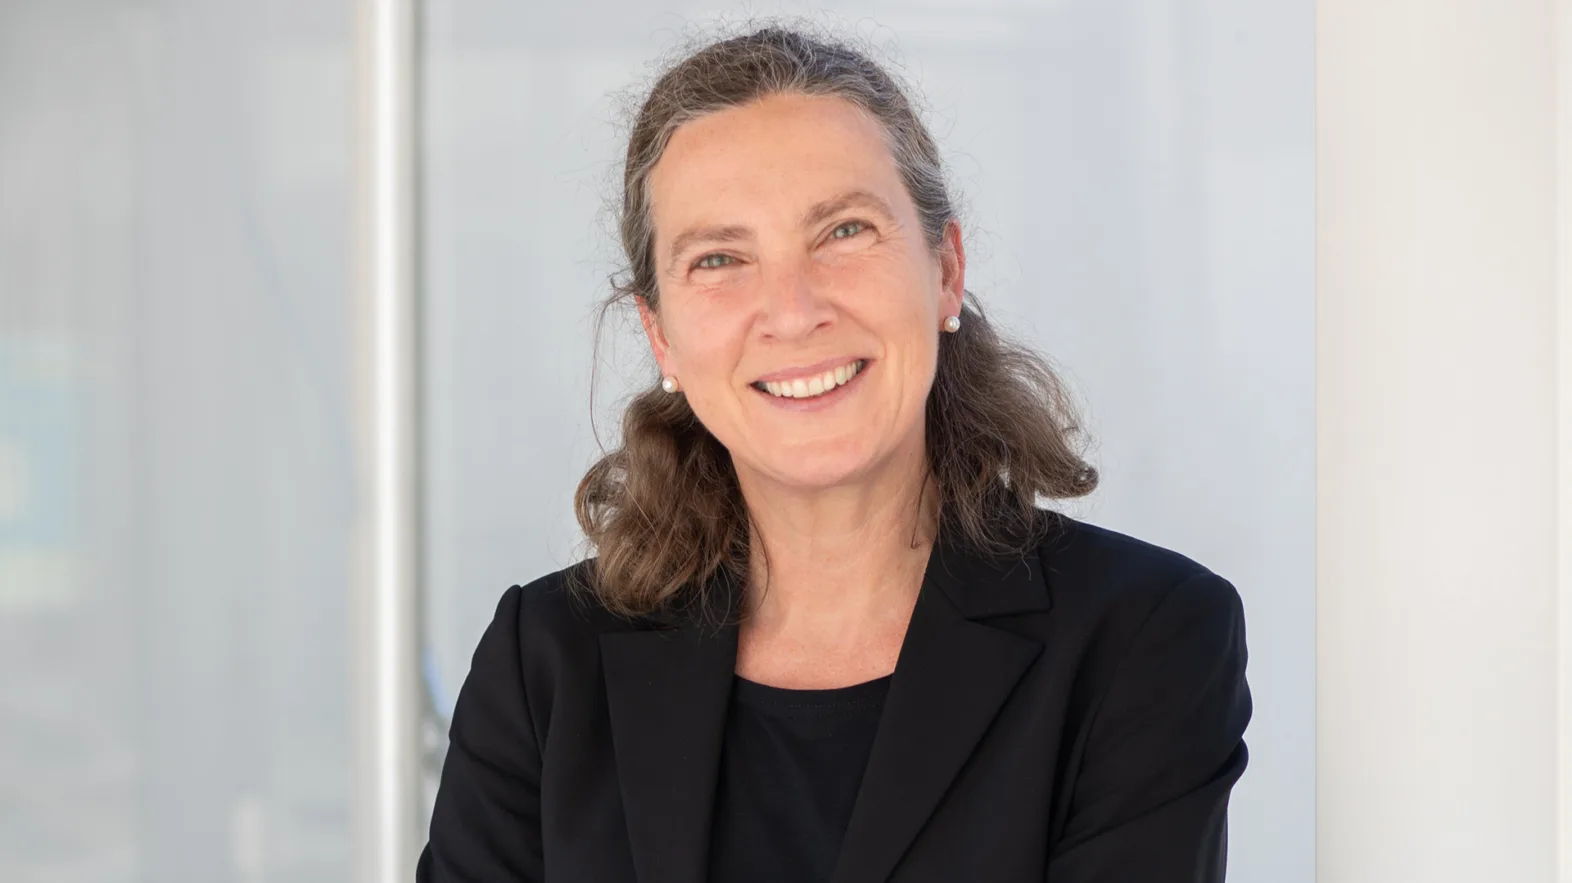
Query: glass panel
175, 472
1138, 180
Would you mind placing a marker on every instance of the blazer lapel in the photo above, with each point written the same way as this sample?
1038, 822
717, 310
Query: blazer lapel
668, 692
951, 678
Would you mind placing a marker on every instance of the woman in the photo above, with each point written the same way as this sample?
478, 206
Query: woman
828, 634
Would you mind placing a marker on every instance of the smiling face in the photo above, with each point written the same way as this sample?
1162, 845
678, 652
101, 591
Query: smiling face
799, 306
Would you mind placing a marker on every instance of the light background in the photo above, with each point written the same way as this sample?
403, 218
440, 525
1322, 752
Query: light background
1139, 180
176, 490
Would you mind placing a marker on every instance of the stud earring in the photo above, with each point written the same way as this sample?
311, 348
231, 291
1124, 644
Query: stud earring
952, 324
668, 383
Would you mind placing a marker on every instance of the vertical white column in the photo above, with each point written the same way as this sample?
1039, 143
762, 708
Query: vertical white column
385, 323
1437, 472
1563, 48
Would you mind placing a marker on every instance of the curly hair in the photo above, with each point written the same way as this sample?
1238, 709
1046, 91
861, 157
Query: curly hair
663, 510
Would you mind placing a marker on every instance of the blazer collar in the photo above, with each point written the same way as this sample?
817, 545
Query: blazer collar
981, 585
669, 689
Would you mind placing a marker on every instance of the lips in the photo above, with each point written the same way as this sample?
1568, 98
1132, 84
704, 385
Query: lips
812, 383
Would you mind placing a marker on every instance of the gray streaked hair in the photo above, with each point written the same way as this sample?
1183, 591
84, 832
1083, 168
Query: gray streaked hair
663, 510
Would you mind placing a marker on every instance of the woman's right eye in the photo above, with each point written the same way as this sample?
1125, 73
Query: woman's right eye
704, 262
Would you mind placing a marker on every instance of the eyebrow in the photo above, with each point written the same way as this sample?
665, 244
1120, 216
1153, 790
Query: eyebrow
816, 213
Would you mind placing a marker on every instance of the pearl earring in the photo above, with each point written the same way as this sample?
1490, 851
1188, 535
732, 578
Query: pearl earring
668, 383
952, 324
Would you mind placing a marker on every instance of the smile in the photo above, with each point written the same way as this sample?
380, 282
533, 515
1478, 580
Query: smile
813, 385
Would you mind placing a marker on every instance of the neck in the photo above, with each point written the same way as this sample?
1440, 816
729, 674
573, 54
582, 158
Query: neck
841, 557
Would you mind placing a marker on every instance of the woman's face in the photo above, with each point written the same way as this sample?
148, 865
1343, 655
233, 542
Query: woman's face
799, 306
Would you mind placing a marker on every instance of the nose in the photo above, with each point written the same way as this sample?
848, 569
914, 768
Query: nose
793, 304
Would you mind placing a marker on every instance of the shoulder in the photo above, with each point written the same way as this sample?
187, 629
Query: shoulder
1157, 639
1114, 583
1154, 644
1080, 549
545, 635
558, 607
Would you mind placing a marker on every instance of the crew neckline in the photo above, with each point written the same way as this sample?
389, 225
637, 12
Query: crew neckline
757, 694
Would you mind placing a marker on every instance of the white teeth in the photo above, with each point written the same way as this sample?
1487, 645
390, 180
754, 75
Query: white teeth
813, 386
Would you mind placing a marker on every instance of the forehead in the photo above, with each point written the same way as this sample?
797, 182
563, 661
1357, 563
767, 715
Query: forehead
783, 151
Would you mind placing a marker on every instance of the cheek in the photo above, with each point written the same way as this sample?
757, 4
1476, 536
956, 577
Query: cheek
896, 285
706, 344
913, 336
903, 310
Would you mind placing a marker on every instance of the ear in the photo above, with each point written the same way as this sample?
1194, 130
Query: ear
952, 270
652, 330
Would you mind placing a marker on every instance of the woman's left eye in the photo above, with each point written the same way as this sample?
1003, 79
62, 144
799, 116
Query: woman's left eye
855, 227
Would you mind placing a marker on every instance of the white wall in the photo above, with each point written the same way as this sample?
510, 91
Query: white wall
1437, 454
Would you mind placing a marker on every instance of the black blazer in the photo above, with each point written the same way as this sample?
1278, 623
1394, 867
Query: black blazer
1072, 716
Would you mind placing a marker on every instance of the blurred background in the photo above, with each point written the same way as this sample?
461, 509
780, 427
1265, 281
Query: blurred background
180, 478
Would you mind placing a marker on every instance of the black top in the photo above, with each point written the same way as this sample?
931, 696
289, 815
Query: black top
1074, 713
791, 763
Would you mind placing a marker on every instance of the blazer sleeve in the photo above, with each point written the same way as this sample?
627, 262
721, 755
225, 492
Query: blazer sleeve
1164, 748
485, 823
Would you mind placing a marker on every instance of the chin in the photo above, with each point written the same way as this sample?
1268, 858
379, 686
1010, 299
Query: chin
818, 479
808, 472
